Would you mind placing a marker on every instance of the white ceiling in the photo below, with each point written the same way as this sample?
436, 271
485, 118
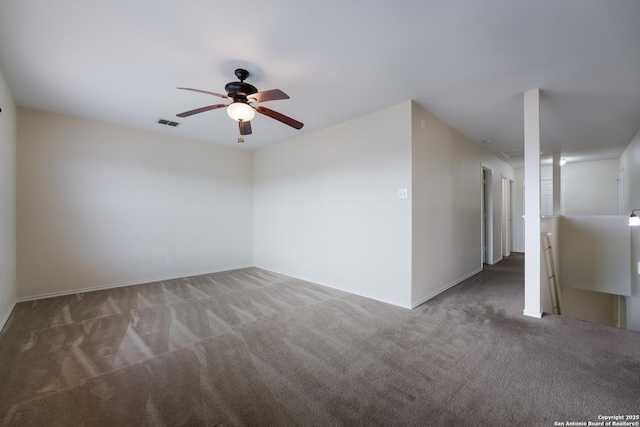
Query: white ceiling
468, 62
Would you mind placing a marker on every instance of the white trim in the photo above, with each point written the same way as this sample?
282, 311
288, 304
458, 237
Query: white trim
121, 285
451, 285
347, 291
532, 243
536, 314
600, 217
488, 233
6, 317
486, 166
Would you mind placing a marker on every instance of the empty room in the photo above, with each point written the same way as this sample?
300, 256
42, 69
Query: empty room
319, 214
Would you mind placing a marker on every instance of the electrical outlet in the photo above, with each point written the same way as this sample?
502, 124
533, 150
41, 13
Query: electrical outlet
169, 263
403, 193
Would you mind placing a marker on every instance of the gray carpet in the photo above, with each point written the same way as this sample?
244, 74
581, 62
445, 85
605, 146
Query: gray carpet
253, 348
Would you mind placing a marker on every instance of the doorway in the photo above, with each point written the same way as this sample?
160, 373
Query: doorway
507, 214
487, 216
621, 210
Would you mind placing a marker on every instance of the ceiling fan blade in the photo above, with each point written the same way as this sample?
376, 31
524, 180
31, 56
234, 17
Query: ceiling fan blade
205, 91
245, 128
200, 110
268, 95
280, 117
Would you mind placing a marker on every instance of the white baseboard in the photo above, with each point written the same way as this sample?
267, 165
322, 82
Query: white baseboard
6, 317
121, 285
338, 288
533, 314
451, 285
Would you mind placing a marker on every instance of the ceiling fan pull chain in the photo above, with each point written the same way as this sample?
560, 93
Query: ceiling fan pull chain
240, 137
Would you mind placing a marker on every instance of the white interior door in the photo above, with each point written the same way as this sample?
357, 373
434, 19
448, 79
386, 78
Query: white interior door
621, 192
546, 197
506, 217
487, 217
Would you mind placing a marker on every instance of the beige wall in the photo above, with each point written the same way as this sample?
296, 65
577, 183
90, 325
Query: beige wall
594, 253
630, 161
589, 254
591, 188
8, 141
596, 307
327, 207
588, 188
446, 215
102, 205
518, 219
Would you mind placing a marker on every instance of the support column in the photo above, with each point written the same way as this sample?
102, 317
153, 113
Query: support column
557, 188
532, 259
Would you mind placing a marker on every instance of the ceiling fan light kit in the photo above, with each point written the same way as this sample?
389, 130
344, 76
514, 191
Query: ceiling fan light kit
242, 95
240, 111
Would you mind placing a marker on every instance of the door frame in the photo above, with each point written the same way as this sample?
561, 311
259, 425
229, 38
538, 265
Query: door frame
621, 209
486, 215
507, 242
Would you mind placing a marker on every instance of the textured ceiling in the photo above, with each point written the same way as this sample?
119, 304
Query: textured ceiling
468, 62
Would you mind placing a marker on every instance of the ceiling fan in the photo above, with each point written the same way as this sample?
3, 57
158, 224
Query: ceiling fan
243, 95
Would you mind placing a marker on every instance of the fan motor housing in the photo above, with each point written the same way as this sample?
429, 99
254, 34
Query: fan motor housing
242, 89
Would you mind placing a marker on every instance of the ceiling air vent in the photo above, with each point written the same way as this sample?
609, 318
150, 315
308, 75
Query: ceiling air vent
514, 154
511, 154
168, 122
